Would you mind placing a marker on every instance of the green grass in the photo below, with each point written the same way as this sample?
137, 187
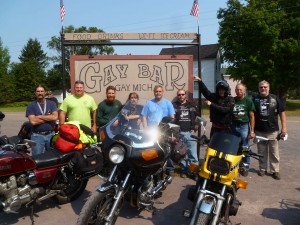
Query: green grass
292, 108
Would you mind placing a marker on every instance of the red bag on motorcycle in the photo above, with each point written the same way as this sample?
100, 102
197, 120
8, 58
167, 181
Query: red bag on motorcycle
68, 138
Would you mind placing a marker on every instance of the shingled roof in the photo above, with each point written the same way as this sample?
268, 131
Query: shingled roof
206, 51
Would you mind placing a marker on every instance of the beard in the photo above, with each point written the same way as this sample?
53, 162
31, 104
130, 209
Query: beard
110, 99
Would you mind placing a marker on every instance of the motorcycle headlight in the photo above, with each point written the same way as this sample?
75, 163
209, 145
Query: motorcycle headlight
116, 154
219, 166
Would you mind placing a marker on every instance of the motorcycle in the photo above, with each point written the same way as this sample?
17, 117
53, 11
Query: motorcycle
138, 159
214, 196
26, 180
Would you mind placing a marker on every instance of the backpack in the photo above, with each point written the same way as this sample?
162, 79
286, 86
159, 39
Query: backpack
88, 159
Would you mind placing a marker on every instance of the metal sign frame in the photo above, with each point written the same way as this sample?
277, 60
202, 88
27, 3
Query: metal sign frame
95, 39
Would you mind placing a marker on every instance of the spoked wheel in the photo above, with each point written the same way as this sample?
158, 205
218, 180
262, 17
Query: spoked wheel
71, 188
97, 208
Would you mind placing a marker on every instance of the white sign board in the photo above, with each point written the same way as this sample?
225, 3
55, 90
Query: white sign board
128, 36
133, 74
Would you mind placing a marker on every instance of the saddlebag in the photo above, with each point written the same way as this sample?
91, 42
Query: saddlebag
179, 152
87, 160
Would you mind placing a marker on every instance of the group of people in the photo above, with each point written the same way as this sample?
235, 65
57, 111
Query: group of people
248, 117
240, 115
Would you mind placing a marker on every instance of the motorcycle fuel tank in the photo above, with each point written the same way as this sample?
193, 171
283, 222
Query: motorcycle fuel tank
15, 162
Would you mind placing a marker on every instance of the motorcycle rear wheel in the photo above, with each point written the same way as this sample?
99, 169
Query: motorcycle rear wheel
97, 207
203, 219
70, 190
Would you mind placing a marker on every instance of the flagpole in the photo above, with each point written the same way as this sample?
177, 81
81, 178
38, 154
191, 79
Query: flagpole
62, 38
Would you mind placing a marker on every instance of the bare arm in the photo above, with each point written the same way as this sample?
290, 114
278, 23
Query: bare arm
144, 122
252, 123
40, 119
94, 126
283, 123
62, 117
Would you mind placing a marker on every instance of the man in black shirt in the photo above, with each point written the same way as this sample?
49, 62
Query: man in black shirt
268, 108
185, 115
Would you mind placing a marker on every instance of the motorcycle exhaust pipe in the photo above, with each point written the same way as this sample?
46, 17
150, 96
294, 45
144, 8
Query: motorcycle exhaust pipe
163, 185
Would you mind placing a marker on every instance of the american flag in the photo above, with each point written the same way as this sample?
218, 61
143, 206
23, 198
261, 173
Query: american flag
62, 11
195, 9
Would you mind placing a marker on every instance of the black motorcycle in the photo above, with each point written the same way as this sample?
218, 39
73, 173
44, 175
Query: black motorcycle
138, 160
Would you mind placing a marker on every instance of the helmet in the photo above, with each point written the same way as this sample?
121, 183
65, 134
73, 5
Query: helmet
223, 84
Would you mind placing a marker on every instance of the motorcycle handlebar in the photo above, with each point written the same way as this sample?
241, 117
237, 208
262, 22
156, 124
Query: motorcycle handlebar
196, 137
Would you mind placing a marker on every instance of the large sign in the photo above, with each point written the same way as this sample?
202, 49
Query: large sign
128, 36
133, 74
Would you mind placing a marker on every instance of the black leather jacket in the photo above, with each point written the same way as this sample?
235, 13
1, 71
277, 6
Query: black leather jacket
220, 108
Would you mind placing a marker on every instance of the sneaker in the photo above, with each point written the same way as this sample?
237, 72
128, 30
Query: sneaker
276, 175
261, 173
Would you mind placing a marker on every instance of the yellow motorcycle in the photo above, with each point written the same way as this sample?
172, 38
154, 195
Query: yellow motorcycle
215, 194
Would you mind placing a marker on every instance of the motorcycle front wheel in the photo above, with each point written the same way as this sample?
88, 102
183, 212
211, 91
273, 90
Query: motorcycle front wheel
71, 188
97, 208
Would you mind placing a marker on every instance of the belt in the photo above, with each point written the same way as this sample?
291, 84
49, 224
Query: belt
220, 126
239, 123
43, 132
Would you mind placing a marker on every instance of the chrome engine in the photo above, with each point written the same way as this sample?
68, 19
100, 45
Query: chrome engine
15, 192
148, 191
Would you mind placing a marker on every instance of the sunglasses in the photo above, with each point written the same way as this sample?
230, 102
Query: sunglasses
180, 94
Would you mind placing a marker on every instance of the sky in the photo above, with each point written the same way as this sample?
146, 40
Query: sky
24, 19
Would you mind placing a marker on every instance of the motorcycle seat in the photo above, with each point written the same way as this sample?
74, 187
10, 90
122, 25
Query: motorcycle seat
52, 158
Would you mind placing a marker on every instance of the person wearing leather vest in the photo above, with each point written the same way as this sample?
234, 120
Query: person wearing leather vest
268, 108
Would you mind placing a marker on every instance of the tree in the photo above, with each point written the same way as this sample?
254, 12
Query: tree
54, 78
4, 59
27, 76
260, 40
55, 44
33, 51
7, 82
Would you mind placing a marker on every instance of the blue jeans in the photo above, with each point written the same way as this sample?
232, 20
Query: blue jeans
192, 155
42, 143
242, 130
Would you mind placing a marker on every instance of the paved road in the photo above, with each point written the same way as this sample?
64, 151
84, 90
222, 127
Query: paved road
266, 201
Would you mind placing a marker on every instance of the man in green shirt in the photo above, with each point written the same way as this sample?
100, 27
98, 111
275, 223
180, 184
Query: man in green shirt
79, 106
108, 108
243, 120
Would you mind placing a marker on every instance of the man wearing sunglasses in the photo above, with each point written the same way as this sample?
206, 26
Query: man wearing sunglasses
185, 115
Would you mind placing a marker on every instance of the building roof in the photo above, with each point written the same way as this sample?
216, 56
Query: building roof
206, 51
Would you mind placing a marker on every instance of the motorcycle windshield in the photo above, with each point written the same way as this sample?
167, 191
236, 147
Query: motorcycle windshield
128, 123
227, 143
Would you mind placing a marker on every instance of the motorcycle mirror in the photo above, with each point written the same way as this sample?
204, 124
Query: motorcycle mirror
258, 139
174, 127
201, 120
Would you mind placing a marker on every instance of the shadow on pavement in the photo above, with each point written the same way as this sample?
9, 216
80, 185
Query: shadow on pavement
288, 214
12, 218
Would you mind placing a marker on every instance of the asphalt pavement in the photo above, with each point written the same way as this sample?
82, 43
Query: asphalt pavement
265, 201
